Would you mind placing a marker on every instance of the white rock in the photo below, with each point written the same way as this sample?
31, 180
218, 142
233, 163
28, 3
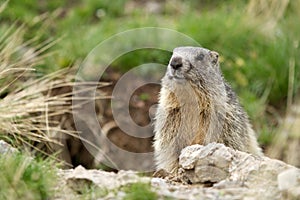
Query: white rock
288, 179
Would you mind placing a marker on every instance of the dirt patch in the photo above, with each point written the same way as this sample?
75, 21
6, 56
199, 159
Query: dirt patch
141, 108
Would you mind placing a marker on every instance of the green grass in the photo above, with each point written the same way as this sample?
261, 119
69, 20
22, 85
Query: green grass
23, 177
91, 192
139, 191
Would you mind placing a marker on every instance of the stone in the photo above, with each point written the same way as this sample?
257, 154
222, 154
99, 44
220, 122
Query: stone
103, 179
288, 178
209, 172
230, 170
202, 165
6, 148
289, 183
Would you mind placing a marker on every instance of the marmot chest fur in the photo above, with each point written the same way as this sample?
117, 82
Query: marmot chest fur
197, 106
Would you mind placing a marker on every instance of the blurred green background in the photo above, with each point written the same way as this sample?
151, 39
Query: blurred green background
257, 40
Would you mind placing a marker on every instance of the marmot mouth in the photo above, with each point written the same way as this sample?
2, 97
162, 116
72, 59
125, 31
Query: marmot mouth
176, 78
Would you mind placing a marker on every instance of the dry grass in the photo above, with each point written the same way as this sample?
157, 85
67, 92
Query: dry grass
20, 101
286, 144
28, 107
268, 13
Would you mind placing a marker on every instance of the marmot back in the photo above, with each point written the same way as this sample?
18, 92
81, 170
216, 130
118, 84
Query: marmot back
197, 106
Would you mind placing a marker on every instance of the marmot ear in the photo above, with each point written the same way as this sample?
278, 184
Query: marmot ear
214, 57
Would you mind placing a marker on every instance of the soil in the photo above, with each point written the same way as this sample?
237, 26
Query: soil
141, 111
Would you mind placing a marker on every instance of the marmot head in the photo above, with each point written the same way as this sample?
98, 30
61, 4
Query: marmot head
193, 64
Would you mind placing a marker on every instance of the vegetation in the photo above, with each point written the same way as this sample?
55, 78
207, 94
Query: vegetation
87, 192
27, 109
139, 191
23, 177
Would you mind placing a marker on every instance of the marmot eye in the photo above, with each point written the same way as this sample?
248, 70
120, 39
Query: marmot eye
200, 56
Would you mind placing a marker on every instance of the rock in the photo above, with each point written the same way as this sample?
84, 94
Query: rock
288, 178
227, 169
77, 180
103, 179
289, 183
6, 148
209, 164
209, 172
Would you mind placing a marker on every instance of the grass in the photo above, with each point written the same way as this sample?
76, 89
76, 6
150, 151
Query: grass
91, 192
24, 109
23, 177
28, 106
27, 116
139, 191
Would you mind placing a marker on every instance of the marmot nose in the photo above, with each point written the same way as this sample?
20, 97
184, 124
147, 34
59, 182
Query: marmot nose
176, 63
